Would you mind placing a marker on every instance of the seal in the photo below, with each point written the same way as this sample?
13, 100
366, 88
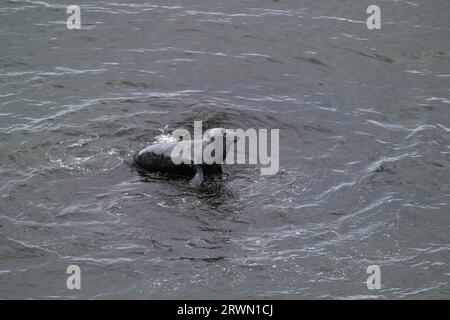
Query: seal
166, 158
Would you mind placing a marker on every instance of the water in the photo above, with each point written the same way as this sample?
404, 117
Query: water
364, 149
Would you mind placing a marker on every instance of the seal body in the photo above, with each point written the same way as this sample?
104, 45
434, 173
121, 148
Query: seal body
161, 157
158, 158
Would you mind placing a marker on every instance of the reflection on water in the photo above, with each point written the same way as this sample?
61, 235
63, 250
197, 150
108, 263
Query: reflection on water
364, 149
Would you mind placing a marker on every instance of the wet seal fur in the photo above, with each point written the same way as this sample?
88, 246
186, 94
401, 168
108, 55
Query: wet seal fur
158, 157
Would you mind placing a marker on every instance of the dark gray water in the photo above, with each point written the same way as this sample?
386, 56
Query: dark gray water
364, 149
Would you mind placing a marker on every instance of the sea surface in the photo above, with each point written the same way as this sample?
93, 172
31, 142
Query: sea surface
364, 177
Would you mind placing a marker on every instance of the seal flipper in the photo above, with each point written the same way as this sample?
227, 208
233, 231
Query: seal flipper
198, 178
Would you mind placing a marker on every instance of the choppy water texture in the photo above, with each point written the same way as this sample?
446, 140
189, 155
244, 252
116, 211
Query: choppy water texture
364, 148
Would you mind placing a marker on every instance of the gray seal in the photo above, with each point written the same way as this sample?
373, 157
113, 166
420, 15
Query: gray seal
159, 157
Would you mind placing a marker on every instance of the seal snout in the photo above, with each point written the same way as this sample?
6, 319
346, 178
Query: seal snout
137, 159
